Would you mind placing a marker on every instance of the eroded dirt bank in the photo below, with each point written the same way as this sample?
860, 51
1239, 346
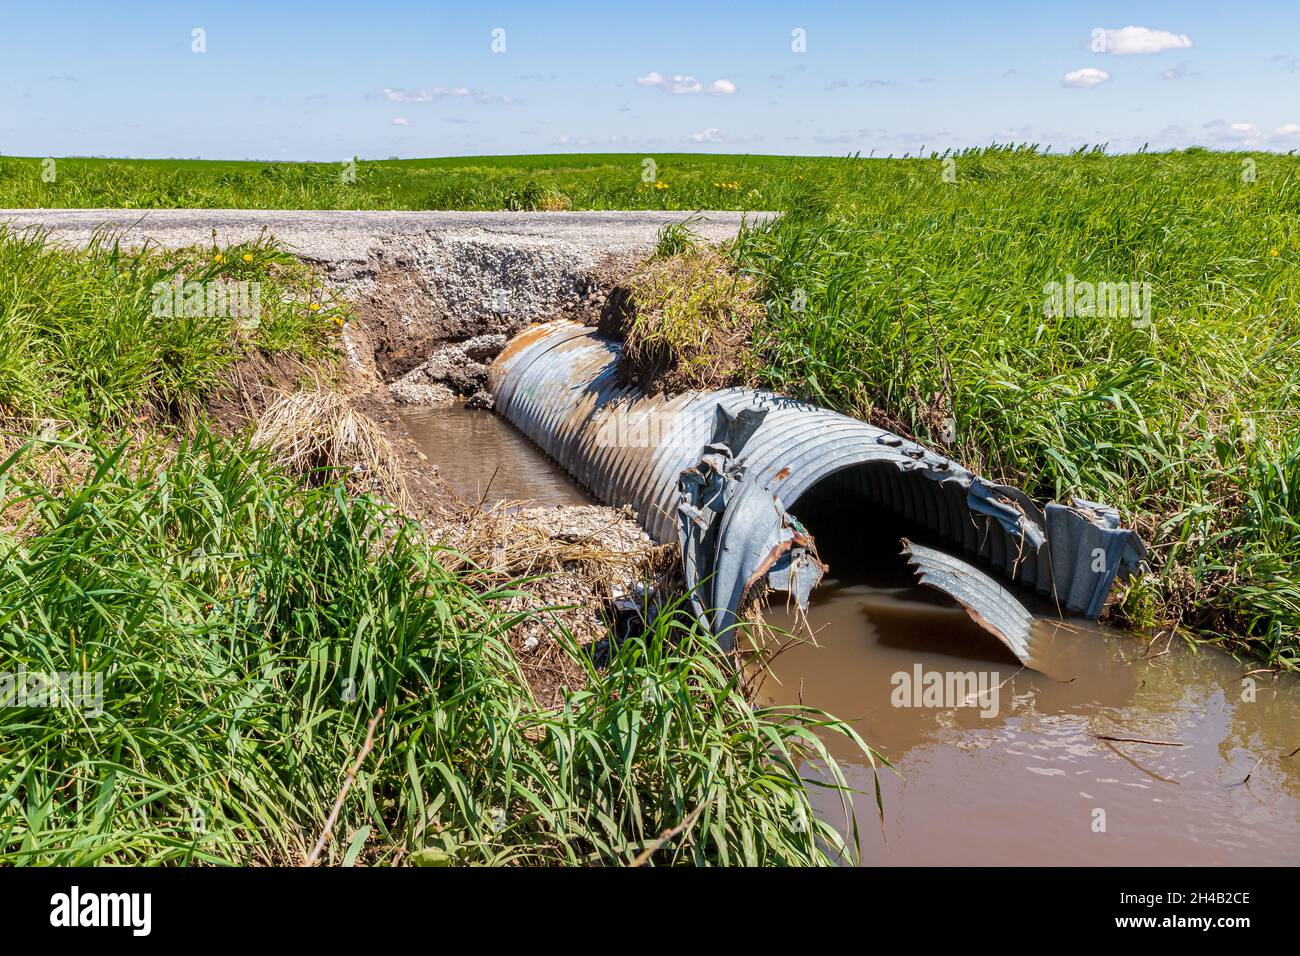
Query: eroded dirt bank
432, 298
432, 311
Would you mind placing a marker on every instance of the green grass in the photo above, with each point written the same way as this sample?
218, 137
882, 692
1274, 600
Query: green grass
599, 181
247, 629
81, 339
246, 625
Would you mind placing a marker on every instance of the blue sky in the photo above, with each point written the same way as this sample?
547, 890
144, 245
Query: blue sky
327, 80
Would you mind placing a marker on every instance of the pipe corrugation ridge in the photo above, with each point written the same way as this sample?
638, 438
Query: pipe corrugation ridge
990, 604
560, 384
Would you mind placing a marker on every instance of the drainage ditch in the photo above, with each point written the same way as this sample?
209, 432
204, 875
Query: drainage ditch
1104, 751
1030, 778
1204, 770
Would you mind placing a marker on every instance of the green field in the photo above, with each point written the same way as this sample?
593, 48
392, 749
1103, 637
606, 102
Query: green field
610, 181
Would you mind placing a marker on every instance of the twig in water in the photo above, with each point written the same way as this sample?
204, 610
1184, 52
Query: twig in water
1139, 740
1252, 770
1260, 670
347, 785
488, 489
1256, 764
1129, 760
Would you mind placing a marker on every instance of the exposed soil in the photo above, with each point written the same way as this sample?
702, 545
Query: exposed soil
412, 314
425, 335
251, 385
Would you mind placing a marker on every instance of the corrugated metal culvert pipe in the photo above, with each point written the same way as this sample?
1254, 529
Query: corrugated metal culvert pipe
718, 470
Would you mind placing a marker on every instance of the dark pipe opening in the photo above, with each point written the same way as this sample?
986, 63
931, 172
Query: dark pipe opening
858, 539
856, 536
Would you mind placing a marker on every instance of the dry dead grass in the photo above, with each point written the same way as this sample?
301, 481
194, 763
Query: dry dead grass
570, 562
318, 435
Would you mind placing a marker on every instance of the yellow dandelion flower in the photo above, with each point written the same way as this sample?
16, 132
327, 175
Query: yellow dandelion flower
218, 258
1272, 252
315, 306
248, 257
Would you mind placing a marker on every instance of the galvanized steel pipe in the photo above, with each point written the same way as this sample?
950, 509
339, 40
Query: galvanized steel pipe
560, 384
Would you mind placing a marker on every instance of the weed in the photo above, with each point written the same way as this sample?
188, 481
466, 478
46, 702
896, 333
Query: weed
247, 629
689, 320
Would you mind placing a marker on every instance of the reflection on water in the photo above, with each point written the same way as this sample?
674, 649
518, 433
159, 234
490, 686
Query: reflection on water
1032, 784
485, 460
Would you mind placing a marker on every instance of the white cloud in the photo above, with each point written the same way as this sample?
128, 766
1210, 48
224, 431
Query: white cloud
435, 93
1219, 133
401, 121
1128, 41
710, 135
1222, 135
676, 85
1085, 78
680, 84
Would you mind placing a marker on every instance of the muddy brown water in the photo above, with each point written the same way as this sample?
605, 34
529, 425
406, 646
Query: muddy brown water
484, 459
1019, 774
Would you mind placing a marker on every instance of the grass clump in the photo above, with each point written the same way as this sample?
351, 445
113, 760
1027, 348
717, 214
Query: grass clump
688, 319
247, 629
317, 434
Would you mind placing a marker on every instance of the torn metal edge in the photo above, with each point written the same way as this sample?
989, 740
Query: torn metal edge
988, 603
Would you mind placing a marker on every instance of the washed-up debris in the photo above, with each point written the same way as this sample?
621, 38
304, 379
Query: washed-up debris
706, 490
